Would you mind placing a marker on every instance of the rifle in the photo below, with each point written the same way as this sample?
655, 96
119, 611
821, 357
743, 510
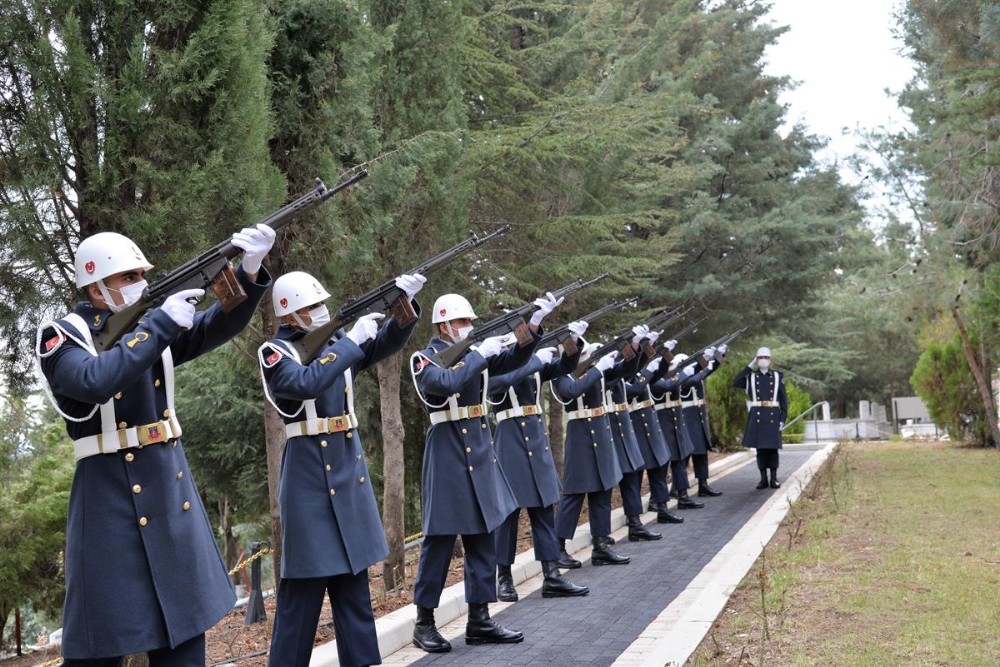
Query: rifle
385, 297
724, 340
561, 336
668, 355
617, 344
212, 268
665, 318
509, 322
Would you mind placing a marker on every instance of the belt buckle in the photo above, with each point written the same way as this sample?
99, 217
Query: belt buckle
598, 412
765, 404
151, 433
475, 411
530, 410
336, 424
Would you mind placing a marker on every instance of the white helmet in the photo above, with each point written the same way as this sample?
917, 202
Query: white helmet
763, 352
106, 254
450, 307
678, 360
295, 290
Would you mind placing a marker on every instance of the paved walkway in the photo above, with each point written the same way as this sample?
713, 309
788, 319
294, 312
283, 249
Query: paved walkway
654, 611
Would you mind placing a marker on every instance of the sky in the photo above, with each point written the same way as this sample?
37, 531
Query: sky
844, 55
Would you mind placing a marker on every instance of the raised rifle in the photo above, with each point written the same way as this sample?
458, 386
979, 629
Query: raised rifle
665, 318
212, 268
562, 335
510, 322
724, 340
385, 297
668, 355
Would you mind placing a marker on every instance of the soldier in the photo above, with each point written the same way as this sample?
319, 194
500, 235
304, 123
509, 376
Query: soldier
332, 531
143, 572
590, 466
768, 410
522, 448
666, 396
696, 421
650, 436
620, 388
463, 490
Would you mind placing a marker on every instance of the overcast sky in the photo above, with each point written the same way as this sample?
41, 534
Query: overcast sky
844, 55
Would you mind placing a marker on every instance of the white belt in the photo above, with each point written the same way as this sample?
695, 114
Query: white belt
616, 407
127, 438
462, 412
521, 411
689, 404
587, 413
667, 404
321, 425
641, 406
763, 404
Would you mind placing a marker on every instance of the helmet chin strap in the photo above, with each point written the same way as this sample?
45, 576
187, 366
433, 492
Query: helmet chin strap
298, 319
451, 332
106, 295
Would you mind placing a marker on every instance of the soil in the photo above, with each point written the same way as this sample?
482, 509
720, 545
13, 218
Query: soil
231, 641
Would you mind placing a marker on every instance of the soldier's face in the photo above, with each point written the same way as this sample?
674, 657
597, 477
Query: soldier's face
114, 284
449, 330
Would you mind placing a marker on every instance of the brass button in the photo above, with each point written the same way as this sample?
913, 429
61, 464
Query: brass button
350, 434
468, 450
470, 468
530, 453
483, 426
333, 492
329, 467
526, 438
143, 521
465, 430
156, 383
590, 419
186, 506
362, 480
593, 432
122, 425
322, 443
524, 423
166, 413
130, 457
118, 395
180, 474
136, 489
595, 445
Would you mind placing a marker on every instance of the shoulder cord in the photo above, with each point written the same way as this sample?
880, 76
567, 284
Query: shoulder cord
309, 405
450, 401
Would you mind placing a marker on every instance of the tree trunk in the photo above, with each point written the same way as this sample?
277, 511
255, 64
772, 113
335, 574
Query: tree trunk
556, 433
274, 435
984, 387
393, 484
229, 540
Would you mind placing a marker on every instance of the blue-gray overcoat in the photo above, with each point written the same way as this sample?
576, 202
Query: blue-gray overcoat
763, 429
626, 445
645, 422
589, 460
696, 415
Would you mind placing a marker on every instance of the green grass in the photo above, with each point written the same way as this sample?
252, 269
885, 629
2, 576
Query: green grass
891, 557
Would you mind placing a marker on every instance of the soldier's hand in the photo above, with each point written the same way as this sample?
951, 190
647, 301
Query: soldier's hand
654, 336
546, 354
641, 331
578, 328
670, 345
255, 242
545, 304
723, 349
654, 365
410, 283
781, 426
365, 328
180, 306
606, 362
753, 362
491, 347
709, 353
685, 372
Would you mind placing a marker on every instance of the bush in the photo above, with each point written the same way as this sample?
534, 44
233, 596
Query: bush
944, 381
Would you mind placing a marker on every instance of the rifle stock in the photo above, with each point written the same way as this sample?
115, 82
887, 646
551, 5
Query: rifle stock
212, 268
385, 297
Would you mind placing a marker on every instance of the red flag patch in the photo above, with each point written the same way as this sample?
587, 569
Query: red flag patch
52, 343
272, 359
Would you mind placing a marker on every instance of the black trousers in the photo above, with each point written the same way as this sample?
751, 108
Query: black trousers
767, 458
599, 504
700, 464
480, 568
543, 535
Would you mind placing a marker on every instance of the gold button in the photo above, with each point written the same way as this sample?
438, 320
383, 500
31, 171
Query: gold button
468, 450
350, 434
362, 480
590, 419
186, 506
322, 443
483, 426
180, 473
130, 457
470, 468
593, 432
494, 459
118, 395
143, 521
166, 413
595, 445
546, 449
333, 492
526, 438
156, 383
465, 430
329, 467
122, 425
524, 423
530, 453
136, 489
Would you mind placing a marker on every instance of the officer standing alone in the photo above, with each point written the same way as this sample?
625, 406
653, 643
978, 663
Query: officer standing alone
768, 409
331, 529
143, 571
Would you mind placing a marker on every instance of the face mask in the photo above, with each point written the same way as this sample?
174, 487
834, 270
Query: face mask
320, 315
764, 364
462, 333
130, 294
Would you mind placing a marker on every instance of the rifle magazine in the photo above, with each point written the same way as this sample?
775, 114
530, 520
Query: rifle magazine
228, 289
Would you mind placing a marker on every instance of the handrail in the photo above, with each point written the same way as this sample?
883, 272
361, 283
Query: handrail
807, 412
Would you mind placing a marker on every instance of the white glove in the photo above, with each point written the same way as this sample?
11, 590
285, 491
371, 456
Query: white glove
491, 347
654, 365
577, 329
365, 328
179, 309
723, 349
411, 283
641, 331
591, 348
781, 426
546, 354
606, 362
685, 372
653, 335
255, 242
753, 362
709, 353
545, 304
670, 345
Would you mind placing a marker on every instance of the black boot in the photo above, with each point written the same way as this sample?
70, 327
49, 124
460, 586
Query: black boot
774, 479
637, 531
704, 490
685, 502
666, 516
566, 561
426, 635
554, 586
762, 484
655, 507
481, 629
505, 585
604, 555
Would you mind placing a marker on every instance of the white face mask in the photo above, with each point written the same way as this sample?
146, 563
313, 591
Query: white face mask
764, 364
130, 294
320, 315
462, 333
